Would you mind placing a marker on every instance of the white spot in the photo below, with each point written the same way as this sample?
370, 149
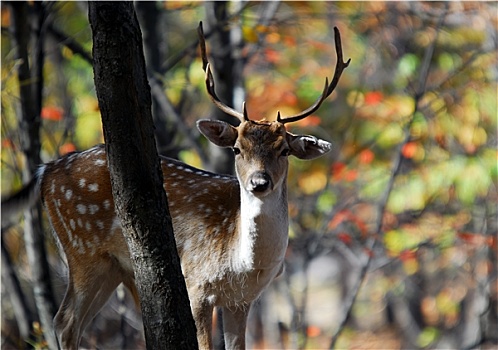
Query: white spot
63, 189
99, 162
81, 249
93, 187
82, 182
69, 194
93, 208
91, 247
99, 224
80, 223
72, 223
81, 209
107, 204
116, 224
88, 226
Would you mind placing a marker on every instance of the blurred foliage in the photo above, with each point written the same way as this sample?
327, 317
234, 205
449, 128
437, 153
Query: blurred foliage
440, 213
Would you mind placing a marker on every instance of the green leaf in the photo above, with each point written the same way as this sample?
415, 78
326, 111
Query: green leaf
427, 337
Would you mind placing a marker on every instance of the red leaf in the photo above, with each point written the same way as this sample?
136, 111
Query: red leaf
406, 255
345, 238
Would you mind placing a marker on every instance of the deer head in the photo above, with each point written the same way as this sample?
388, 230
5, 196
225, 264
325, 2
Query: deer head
261, 148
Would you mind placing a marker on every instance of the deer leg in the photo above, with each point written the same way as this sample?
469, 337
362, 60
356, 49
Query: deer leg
234, 326
203, 316
86, 293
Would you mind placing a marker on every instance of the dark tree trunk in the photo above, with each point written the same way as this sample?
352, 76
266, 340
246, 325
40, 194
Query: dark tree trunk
125, 102
31, 83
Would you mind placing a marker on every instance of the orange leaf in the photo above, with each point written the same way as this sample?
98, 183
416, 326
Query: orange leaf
338, 218
52, 113
409, 149
338, 169
67, 148
7, 143
366, 156
272, 56
373, 97
313, 331
351, 175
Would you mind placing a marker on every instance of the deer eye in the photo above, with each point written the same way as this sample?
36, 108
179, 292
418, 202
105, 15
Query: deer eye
285, 152
236, 151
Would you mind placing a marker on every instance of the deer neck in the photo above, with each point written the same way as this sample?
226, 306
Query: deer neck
263, 230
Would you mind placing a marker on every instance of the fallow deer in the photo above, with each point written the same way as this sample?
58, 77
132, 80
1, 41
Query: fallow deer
231, 232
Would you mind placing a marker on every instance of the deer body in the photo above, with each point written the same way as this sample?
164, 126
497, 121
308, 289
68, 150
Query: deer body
228, 253
231, 232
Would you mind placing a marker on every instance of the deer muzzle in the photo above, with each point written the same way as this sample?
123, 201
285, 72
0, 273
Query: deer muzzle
260, 182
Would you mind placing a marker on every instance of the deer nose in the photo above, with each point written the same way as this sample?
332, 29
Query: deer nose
260, 182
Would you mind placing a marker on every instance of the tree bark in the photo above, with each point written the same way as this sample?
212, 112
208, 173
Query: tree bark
136, 178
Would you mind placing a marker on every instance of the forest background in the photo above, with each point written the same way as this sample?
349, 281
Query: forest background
393, 235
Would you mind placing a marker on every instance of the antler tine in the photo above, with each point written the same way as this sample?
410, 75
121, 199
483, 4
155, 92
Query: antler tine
210, 80
339, 67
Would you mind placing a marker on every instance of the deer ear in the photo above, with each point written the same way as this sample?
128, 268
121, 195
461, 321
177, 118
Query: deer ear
218, 132
307, 147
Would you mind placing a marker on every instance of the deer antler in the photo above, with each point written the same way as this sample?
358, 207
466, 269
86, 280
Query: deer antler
339, 67
210, 81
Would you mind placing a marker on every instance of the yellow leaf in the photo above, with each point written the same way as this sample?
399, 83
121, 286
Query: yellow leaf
250, 35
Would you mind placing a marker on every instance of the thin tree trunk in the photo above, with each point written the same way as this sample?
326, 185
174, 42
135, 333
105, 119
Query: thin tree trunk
228, 65
24, 316
151, 23
136, 178
31, 83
